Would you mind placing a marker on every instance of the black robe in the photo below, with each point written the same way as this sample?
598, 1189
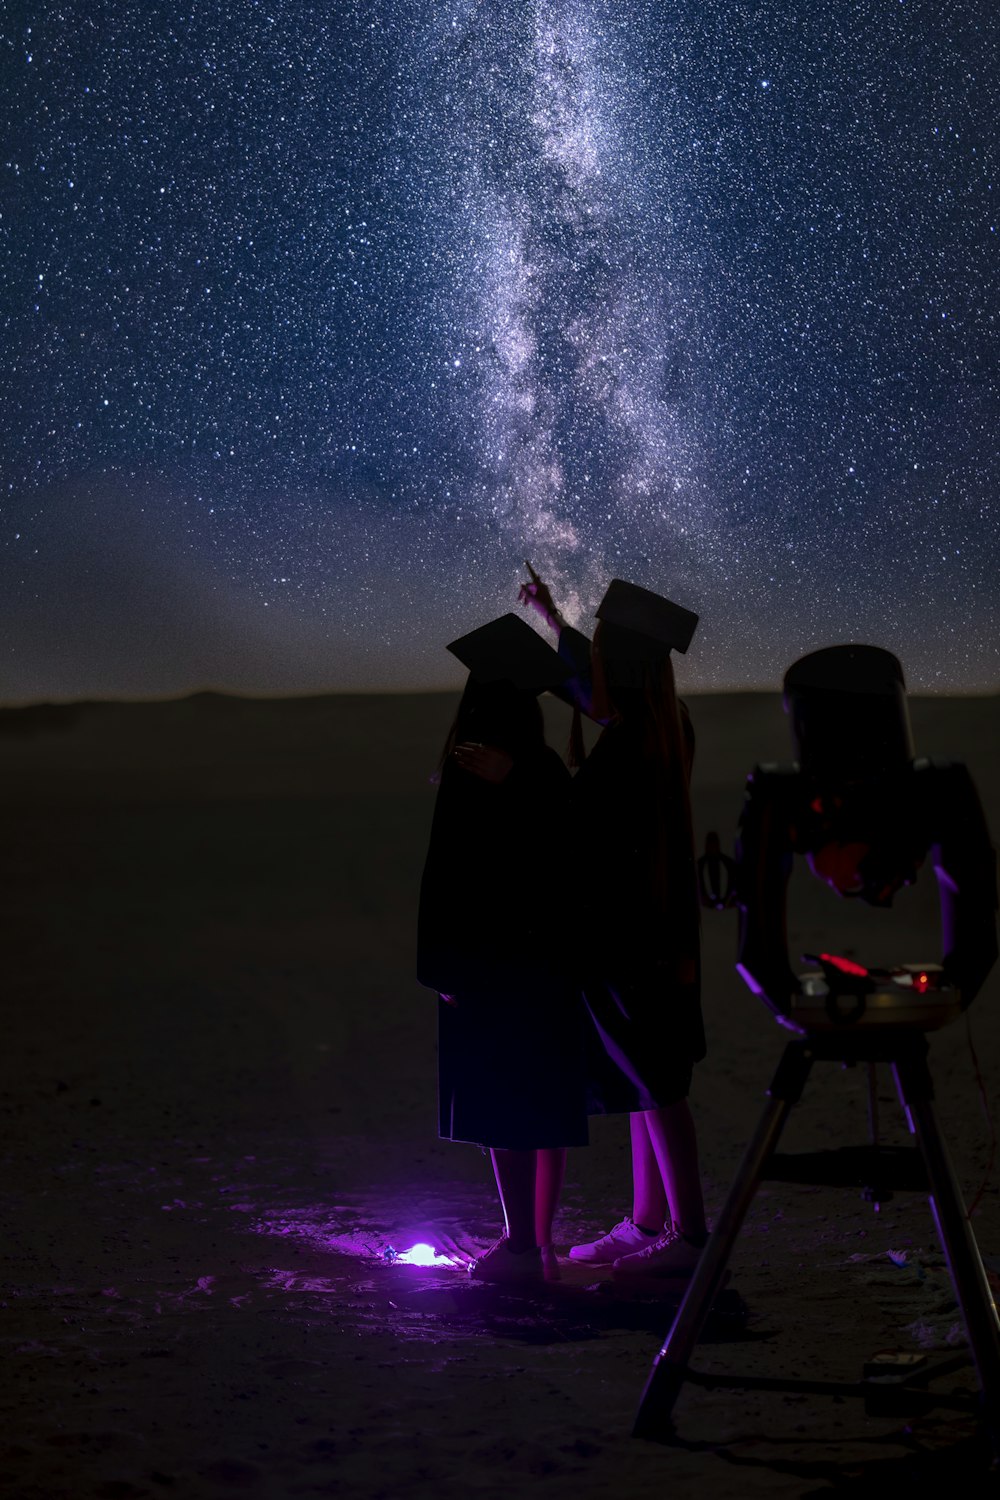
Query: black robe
641, 956
492, 937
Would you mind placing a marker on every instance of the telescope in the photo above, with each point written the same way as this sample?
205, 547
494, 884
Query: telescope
867, 816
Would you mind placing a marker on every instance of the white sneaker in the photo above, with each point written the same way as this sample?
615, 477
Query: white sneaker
671, 1254
619, 1241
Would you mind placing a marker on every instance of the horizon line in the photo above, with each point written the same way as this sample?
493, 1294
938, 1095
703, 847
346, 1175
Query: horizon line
238, 695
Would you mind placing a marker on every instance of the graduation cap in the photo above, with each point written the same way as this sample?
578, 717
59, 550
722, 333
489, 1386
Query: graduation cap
509, 650
647, 614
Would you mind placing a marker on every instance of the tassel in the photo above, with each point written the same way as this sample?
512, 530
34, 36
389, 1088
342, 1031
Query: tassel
576, 752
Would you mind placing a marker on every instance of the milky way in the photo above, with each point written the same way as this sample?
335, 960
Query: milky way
322, 319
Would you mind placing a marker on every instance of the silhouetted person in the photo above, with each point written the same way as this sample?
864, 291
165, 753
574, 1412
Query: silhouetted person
511, 1021
638, 914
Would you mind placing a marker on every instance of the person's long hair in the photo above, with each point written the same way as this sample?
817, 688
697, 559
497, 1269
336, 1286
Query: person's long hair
638, 683
497, 714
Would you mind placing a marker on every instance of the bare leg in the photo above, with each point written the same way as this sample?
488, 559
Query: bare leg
649, 1201
549, 1175
515, 1175
675, 1145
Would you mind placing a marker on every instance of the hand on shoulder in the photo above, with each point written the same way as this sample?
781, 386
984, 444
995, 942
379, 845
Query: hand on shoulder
484, 761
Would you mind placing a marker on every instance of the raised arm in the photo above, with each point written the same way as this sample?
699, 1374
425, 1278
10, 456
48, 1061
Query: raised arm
537, 596
573, 646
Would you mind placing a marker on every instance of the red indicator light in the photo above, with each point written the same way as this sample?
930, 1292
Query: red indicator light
845, 965
921, 983
817, 804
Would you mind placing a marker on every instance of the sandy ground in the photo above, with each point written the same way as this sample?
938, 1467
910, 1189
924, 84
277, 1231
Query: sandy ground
217, 1092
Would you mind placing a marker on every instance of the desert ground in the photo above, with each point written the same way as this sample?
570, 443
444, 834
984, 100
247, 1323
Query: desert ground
218, 1095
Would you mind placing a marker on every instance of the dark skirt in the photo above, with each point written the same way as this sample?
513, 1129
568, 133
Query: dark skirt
644, 1039
511, 1069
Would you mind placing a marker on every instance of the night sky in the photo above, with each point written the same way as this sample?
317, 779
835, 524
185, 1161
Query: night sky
321, 318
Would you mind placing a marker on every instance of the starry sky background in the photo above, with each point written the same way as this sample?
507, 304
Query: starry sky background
321, 317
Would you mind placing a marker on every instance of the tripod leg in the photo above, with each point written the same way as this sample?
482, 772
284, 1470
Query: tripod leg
670, 1365
975, 1299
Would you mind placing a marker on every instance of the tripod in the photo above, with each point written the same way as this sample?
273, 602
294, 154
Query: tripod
925, 1166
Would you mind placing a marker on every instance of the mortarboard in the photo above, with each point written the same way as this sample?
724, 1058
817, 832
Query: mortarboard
648, 614
509, 650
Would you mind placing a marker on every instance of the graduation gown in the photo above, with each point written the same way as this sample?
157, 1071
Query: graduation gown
641, 960
510, 1059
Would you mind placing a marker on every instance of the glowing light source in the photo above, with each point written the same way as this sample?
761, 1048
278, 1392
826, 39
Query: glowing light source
423, 1255
845, 965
